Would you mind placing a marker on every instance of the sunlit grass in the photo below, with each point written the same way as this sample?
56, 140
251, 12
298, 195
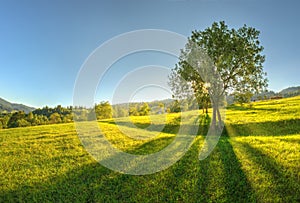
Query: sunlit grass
271, 165
275, 117
257, 160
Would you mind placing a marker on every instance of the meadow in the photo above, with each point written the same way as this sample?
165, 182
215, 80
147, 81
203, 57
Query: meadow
256, 160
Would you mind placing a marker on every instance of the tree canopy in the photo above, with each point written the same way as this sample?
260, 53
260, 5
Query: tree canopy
220, 61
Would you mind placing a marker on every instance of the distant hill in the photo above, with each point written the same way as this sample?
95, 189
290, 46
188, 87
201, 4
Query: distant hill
6, 106
285, 93
290, 91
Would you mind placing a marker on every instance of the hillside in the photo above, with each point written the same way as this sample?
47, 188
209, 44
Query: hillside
290, 91
257, 160
6, 106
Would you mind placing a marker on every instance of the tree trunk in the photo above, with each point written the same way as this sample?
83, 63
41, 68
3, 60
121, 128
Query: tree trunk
214, 120
219, 117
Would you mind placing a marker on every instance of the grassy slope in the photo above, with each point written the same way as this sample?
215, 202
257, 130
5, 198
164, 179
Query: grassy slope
48, 163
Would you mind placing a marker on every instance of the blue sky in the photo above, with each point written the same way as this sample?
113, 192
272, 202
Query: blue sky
43, 44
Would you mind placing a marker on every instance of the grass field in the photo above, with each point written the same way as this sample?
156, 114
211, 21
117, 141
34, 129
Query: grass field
256, 160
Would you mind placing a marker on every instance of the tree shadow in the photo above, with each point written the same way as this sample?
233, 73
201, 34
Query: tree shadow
254, 108
188, 180
290, 140
222, 178
286, 186
268, 128
169, 128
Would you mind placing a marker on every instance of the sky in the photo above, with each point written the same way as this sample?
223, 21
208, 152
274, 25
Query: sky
43, 44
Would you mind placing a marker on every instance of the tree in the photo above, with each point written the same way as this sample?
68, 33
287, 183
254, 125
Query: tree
67, 118
103, 110
119, 111
22, 123
55, 118
4, 119
243, 97
144, 110
13, 120
30, 118
233, 56
175, 107
133, 110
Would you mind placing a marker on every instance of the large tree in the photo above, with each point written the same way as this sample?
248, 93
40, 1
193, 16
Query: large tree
220, 61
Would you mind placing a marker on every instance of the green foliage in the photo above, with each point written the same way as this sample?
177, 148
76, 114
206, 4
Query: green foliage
144, 110
175, 108
236, 55
4, 118
22, 123
55, 118
103, 110
15, 117
133, 110
243, 97
139, 109
219, 55
119, 111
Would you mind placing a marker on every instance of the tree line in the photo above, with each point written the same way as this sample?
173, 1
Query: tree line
102, 110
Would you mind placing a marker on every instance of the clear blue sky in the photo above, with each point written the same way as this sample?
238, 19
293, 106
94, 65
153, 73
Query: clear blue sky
44, 43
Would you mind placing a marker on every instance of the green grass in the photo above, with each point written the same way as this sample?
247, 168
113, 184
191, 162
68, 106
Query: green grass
257, 160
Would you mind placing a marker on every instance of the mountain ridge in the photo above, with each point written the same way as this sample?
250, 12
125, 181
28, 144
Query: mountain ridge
6, 106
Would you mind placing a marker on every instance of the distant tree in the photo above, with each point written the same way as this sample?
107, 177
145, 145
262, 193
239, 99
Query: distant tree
13, 120
144, 110
175, 107
30, 118
243, 97
161, 108
22, 123
103, 110
4, 119
55, 118
233, 55
119, 111
67, 118
133, 110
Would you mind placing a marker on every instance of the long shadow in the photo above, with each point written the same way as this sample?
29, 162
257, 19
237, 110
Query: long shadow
187, 181
169, 128
238, 187
77, 185
290, 140
152, 146
286, 186
221, 178
268, 128
247, 108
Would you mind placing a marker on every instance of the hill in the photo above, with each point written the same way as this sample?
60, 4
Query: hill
285, 93
6, 106
257, 160
290, 91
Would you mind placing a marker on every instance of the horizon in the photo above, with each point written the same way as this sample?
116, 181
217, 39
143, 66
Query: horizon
124, 103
